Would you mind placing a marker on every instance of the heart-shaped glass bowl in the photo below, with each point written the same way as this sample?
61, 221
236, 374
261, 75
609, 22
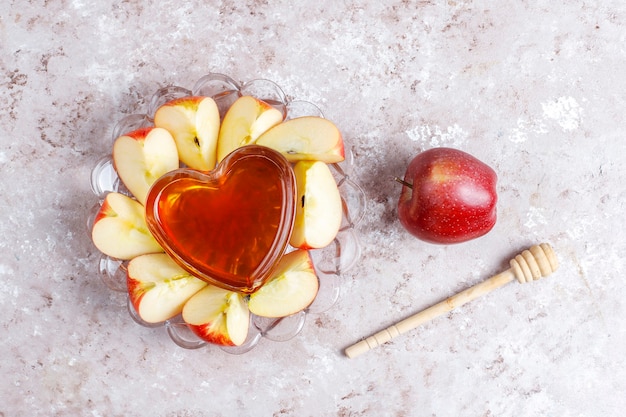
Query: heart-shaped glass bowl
330, 262
247, 198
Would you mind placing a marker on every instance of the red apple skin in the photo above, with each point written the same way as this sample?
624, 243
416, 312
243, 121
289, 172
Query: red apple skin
208, 334
452, 199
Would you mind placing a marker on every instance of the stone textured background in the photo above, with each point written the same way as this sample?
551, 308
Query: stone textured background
533, 88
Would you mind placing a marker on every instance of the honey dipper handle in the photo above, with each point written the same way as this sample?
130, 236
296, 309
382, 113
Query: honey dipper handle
533, 263
430, 313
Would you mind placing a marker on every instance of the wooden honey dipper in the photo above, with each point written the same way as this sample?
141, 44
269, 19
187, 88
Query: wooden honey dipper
534, 263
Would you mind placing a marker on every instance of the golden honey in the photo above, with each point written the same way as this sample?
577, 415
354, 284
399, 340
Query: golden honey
228, 226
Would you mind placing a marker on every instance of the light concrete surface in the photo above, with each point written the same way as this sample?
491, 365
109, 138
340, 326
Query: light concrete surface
533, 88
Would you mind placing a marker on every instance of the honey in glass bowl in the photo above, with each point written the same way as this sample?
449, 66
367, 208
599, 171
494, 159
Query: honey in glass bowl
228, 226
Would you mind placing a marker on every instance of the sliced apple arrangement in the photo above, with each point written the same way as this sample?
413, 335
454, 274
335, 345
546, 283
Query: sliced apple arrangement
189, 134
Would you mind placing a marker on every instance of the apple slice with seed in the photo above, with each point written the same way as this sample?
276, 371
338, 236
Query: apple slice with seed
318, 206
306, 138
158, 288
218, 316
194, 122
292, 288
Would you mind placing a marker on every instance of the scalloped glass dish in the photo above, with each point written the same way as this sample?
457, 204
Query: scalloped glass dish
330, 262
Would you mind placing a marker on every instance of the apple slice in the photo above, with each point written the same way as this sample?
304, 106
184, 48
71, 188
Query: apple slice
292, 288
120, 229
218, 316
319, 209
143, 156
306, 138
244, 122
158, 288
194, 122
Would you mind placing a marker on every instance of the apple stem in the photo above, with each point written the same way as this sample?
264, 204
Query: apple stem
406, 184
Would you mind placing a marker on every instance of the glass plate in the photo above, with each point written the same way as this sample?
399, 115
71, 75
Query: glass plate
330, 262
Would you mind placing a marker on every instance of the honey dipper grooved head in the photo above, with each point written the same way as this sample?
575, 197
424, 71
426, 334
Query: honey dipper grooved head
537, 262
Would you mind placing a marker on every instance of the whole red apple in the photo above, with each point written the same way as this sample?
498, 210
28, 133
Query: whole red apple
448, 196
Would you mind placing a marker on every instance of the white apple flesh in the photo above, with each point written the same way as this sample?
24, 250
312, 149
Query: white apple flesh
143, 156
218, 316
292, 288
158, 288
244, 122
194, 122
319, 209
306, 138
120, 229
